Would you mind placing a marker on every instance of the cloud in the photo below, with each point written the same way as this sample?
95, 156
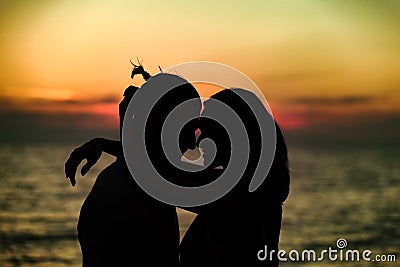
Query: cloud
21, 127
46, 101
344, 100
365, 129
42, 119
307, 125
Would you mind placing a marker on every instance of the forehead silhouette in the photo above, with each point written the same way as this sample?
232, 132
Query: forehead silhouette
233, 100
170, 97
243, 103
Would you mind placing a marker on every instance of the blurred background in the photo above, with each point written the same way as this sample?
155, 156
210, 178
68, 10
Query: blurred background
329, 70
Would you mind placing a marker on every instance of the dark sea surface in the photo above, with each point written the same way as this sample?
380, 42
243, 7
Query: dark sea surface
350, 193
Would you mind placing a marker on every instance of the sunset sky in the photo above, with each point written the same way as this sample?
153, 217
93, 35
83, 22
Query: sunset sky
322, 65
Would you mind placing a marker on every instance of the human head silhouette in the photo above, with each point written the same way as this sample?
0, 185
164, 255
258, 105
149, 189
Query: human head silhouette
162, 109
163, 116
278, 178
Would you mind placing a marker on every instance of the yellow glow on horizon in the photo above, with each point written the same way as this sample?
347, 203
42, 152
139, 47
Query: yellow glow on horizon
50, 94
302, 49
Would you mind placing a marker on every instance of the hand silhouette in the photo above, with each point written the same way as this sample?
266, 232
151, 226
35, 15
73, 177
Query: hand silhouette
89, 151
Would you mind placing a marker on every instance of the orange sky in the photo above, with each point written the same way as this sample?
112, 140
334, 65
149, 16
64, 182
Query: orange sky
316, 61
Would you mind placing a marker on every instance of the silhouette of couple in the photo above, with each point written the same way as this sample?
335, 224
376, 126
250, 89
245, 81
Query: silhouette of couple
121, 225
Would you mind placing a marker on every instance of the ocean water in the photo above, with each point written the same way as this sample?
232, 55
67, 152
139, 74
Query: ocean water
350, 193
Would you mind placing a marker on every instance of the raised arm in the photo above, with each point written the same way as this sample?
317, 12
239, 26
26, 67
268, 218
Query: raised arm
91, 152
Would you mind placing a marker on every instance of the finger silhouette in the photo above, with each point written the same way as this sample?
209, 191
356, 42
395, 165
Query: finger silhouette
70, 169
88, 165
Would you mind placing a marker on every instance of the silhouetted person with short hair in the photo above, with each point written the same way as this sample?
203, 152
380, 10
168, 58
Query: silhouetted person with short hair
227, 232
119, 223
231, 230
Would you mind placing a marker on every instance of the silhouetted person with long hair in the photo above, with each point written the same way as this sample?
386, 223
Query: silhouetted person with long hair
231, 230
119, 223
